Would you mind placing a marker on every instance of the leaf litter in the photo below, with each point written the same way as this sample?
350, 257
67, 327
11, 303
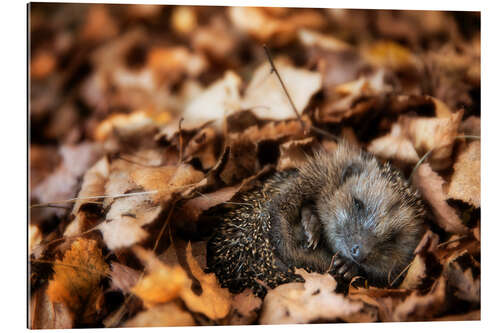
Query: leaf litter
141, 139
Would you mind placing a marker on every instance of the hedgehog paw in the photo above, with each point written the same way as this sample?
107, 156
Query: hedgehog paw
344, 268
311, 225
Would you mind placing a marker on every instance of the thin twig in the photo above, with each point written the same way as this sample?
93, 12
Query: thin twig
275, 70
115, 196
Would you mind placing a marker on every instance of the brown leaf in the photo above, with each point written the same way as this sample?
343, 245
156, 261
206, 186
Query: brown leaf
394, 146
390, 54
421, 307
465, 183
164, 315
437, 134
44, 314
162, 283
273, 27
293, 153
430, 185
416, 273
267, 99
123, 277
294, 303
214, 301
76, 279
245, 307
218, 100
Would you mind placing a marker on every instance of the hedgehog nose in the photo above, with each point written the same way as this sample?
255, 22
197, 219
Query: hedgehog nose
356, 252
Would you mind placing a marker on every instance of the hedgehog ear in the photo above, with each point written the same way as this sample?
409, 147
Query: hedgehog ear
350, 170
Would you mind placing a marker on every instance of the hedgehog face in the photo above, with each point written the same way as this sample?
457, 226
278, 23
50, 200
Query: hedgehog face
366, 221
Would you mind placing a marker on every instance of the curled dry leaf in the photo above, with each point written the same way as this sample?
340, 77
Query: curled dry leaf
465, 183
123, 277
294, 303
278, 29
219, 99
354, 97
214, 301
430, 185
126, 125
164, 315
437, 134
44, 314
267, 99
421, 307
390, 54
63, 182
394, 146
416, 273
162, 283
245, 306
166, 180
76, 279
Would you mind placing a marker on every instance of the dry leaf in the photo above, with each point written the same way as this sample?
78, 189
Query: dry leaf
267, 99
394, 146
430, 185
416, 273
164, 315
465, 183
299, 303
123, 277
421, 307
214, 301
162, 283
261, 24
218, 100
390, 54
312, 38
44, 314
76, 279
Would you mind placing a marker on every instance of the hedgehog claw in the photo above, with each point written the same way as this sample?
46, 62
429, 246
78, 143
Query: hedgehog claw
311, 225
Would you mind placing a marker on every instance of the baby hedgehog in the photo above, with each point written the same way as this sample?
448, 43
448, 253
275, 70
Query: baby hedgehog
342, 212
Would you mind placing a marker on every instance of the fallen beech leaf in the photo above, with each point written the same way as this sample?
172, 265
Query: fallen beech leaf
464, 285
44, 314
166, 180
245, 306
63, 182
93, 183
465, 183
34, 237
352, 98
99, 24
438, 133
124, 221
194, 207
130, 124
168, 64
123, 277
471, 126
262, 25
76, 279
164, 315
390, 54
421, 307
219, 99
294, 303
430, 185
416, 273
394, 146
293, 153
327, 42
267, 99
162, 283
214, 301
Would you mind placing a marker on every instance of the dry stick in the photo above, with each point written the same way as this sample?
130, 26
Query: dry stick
399, 275
180, 141
95, 197
312, 127
273, 69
